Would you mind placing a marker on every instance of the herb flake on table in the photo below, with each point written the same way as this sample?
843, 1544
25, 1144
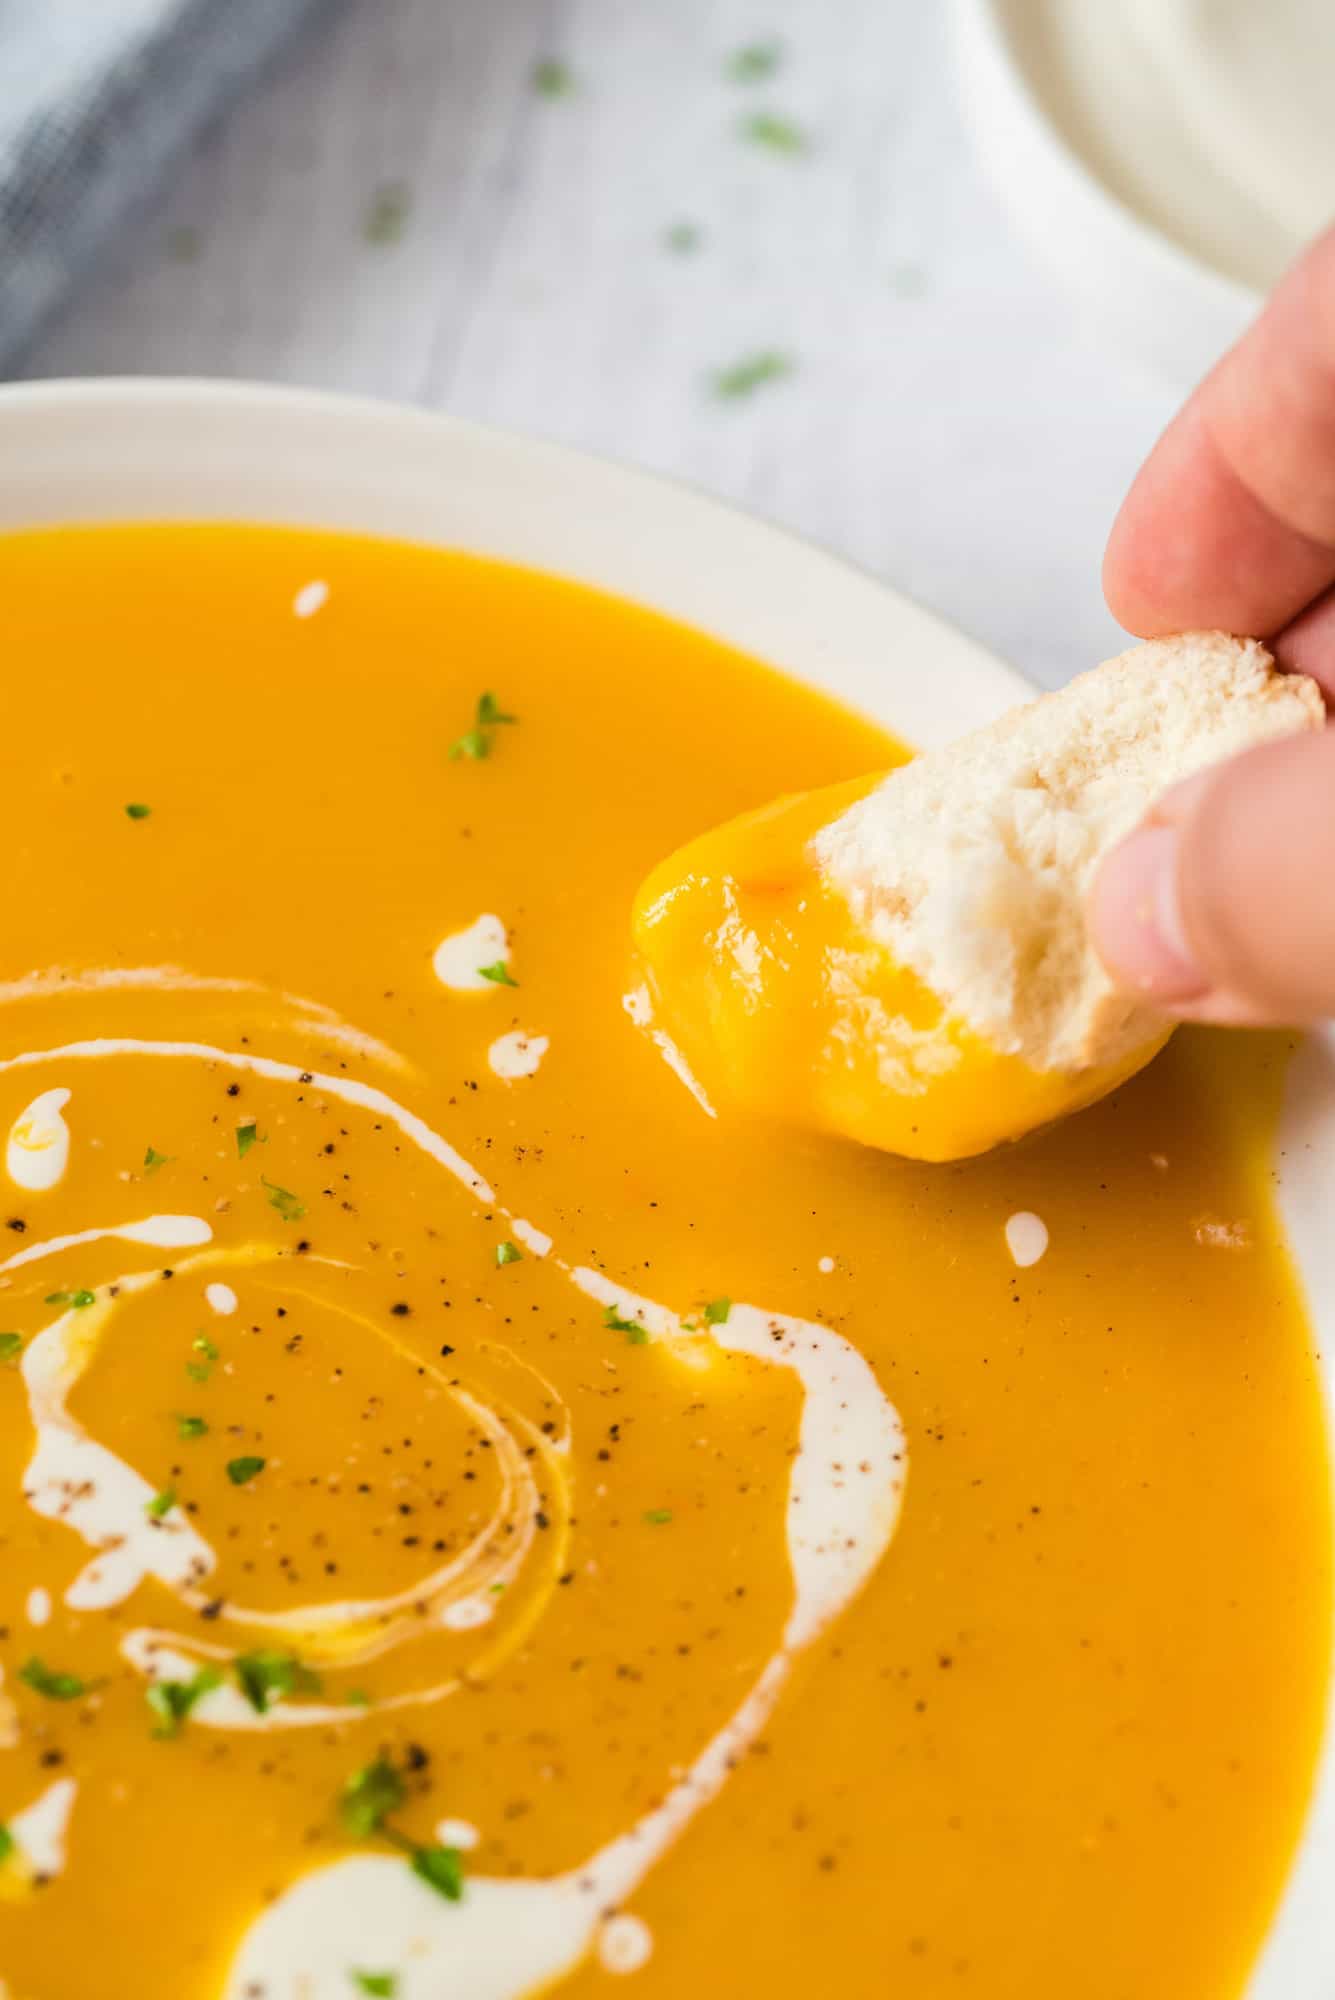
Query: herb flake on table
172, 1701
774, 132
752, 372
50, 1681
683, 239
387, 213
552, 78
753, 62
242, 1470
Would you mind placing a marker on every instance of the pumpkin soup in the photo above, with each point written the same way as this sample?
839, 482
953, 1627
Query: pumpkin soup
475, 1522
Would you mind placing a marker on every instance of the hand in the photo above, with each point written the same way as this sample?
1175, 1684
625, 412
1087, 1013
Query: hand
1222, 904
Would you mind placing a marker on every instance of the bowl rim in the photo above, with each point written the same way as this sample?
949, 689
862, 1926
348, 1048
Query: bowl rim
381, 467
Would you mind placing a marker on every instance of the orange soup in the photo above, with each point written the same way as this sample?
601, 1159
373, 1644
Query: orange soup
476, 1524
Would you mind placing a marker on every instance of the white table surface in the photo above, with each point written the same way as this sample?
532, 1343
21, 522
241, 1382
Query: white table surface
948, 423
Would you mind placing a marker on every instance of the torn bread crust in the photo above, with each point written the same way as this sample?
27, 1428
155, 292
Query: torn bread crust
971, 865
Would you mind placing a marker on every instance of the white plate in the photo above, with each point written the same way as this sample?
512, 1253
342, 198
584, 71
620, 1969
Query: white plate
182, 450
1161, 305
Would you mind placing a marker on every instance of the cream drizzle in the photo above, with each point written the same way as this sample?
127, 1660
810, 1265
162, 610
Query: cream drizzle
517, 1055
40, 1831
640, 1007
38, 1149
508, 1936
458, 959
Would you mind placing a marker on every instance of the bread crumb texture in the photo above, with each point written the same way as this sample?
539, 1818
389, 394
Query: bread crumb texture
972, 864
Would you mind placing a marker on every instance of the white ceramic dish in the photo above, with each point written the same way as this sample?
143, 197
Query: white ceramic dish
180, 450
1166, 308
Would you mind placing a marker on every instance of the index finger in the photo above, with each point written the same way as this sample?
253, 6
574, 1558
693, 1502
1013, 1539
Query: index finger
1231, 520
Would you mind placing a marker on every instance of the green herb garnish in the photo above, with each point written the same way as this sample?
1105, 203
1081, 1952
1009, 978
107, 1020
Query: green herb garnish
635, 1332
382, 1985
290, 1206
138, 811
79, 1300
172, 1701
498, 974
744, 377
551, 78
442, 1868
476, 742
161, 1503
357, 1698
658, 1517
242, 1470
54, 1685
6, 1843
153, 1159
267, 1678
203, 1345
191, 1427
249, 1135
754, 61
771, 129
387, 213
11, 1346
506, 1253
369, 1795
716, 1312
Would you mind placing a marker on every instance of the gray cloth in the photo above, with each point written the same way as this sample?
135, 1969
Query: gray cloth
97, 98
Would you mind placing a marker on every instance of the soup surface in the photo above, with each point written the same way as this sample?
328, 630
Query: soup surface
471, 1521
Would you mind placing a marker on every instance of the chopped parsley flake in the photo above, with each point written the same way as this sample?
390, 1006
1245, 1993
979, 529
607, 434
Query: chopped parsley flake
249, 1135
242, 1470
79, 1300
490, 712
754, 61
498, 974
154, 1159
161, 1503
682, 238
476, 742
369, 1795
551, 78
138, 811
191, 1427
290, 1206
442, 1869
357, 1698
267, 1678
506, 1253
716, 1312
658, 1517
771, 129
11, 1346
6, 1843
172, 1701
203, 1345
387, 213
54, 1685
744, 377
198, 1371
635, 1333
381, 1985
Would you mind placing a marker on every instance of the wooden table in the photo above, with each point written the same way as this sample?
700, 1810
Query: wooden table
568, 216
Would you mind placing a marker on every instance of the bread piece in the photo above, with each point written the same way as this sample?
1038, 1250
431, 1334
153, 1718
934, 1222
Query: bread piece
972, 864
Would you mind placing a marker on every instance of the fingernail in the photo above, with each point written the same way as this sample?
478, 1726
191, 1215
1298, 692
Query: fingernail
1136, 920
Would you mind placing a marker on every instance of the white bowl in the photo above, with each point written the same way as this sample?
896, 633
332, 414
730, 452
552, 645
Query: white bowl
182, 450
1166, 308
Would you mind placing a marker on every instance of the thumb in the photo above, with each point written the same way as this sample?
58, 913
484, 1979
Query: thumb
1221, 906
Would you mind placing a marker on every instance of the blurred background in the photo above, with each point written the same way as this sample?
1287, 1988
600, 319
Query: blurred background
745, 243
